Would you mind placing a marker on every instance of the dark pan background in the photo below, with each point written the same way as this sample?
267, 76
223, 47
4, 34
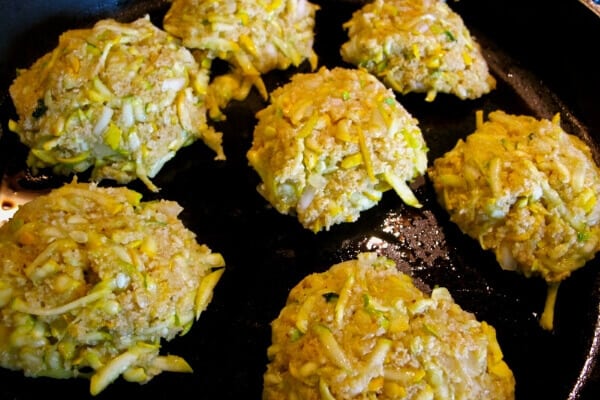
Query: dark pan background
543, 56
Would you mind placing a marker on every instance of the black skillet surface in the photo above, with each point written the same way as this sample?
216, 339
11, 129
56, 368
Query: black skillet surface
543, 66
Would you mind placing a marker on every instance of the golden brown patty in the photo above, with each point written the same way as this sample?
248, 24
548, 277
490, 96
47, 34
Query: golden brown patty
119, 98
92, 279
417, 46
362, 330
526, 190
254, 37
330, 143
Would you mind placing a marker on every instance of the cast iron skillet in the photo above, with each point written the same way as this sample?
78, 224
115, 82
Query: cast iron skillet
541, 55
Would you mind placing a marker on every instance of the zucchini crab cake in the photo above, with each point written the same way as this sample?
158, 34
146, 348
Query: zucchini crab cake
253, 37
119, 98
91, 279
417, 46
526, 190
330, 143
363, 330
